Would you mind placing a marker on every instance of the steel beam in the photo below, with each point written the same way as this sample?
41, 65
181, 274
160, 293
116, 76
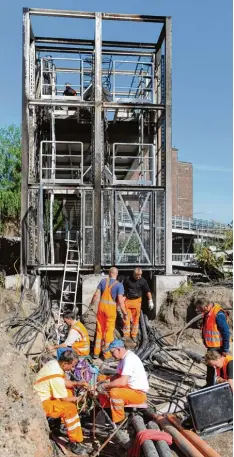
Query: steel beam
61, 13
82, 42
25, 138
98, 142
131, 105
90, 51
133, 17
168, 135
61, 102
160, 39
88, 15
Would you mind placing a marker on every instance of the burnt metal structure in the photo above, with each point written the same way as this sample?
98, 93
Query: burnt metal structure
96, 164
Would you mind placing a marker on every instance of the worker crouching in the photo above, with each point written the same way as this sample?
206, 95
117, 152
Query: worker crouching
222, 367
128, 386
77, 339
51, 386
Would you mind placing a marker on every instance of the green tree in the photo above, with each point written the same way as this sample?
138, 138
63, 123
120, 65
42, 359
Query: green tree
10, 178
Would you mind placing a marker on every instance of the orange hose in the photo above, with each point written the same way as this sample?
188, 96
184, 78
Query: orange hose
201, 445
187, 448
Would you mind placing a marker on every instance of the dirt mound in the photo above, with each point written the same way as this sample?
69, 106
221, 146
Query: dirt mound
23, 427
178, 308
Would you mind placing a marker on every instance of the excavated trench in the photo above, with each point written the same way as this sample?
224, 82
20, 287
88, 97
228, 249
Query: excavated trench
173, 373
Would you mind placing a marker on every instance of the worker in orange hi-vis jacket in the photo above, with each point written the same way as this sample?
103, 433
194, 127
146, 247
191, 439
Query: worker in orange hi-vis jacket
128, 386
110, 293
51, 386
78, 337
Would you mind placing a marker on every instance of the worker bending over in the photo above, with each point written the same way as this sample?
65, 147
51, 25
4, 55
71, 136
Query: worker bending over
222, 367
135, 286
128, 386
51, 386
109, 291
77, 339
215, 331
69, 91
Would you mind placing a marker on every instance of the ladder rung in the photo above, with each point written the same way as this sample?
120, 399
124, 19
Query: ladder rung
72, 250
72, 260
68, 280
67, 302
70, 292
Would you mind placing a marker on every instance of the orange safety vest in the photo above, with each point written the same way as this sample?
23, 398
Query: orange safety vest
82, 346
50, 376
211, 333
227, 359
107, 304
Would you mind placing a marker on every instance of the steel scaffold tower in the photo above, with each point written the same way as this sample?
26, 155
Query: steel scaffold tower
96, 164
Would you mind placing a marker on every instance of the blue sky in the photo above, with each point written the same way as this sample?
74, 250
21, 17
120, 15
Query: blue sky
202, 80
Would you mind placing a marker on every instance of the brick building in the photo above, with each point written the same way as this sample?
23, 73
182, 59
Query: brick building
182, 187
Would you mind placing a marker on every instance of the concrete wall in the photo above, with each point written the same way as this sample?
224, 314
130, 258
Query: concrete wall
89, 285
163, 284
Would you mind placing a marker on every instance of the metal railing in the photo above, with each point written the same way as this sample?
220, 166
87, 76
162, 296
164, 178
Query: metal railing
138, 78
53, 77
61, 162
184, 258
136, 169
190, 223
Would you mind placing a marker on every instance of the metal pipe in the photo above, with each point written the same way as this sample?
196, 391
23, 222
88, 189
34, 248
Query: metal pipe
201, 445
161, 446
148, 445
148, 352
181, 442
144, 335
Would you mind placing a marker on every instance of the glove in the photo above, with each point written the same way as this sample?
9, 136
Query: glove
150, 304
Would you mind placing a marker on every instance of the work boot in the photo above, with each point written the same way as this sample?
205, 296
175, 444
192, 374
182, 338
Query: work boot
77, 448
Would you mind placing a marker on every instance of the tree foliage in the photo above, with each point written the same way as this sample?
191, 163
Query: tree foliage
10, 175
210, 263
227, 243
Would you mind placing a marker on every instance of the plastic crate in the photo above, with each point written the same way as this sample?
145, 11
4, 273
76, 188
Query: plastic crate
211, 408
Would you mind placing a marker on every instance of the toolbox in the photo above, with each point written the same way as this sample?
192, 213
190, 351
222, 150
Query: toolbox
211, 409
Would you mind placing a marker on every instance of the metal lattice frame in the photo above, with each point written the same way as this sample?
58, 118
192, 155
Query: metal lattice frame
99, 191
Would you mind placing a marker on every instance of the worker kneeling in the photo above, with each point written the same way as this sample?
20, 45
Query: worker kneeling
77, 339
222, 367
51, 386
128, 386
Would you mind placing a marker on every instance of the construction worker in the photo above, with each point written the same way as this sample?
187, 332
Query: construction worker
51, 386
109, 292
69, 91
222, 367
128, 386
215, 331
77, 339
134, 287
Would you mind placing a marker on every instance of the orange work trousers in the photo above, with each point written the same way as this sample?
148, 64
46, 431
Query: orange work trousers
133, 308
106, 317
68, 413
118, 397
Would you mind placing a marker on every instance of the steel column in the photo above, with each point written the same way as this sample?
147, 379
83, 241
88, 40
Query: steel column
168, 134
25, 138
98, 142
